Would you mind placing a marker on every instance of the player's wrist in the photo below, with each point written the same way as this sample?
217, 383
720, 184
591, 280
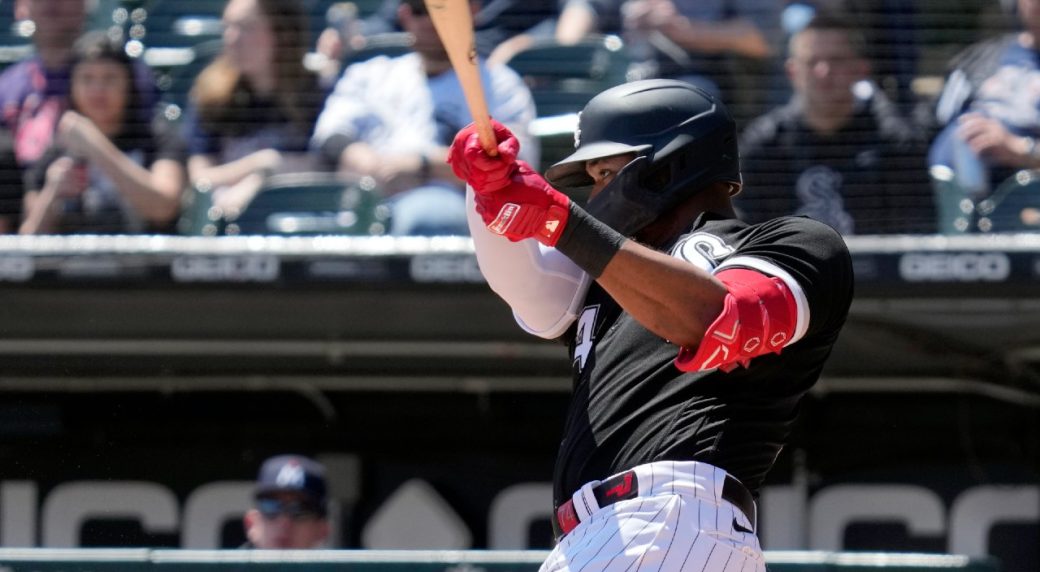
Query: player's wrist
588, 242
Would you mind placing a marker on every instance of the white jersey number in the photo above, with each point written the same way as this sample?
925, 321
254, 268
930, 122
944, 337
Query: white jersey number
583, 335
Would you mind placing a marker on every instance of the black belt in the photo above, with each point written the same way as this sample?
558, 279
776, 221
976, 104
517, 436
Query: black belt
626, 486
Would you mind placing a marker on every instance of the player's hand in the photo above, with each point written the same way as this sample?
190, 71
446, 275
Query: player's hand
527, 207
469, 161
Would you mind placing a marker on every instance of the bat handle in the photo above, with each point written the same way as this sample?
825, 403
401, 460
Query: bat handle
487, 137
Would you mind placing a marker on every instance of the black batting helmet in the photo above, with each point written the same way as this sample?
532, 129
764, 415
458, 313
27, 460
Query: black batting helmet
683, 139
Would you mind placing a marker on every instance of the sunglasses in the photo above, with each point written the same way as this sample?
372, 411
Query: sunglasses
294, 509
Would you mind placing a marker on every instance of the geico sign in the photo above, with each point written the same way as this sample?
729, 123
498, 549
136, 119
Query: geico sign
789, 520
245, 268
16, 268
437, 268
955, 267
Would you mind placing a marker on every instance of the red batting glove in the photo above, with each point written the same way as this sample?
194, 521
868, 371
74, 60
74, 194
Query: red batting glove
528, 207
469, 161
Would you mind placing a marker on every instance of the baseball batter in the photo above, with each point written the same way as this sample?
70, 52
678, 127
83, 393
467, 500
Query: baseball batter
693, 335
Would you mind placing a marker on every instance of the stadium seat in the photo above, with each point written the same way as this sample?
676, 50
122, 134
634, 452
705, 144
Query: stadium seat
175, 81
563, 78
1013, 206
295, 204
178, 23
15, 36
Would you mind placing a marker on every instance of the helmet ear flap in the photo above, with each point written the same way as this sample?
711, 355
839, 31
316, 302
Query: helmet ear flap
657, 177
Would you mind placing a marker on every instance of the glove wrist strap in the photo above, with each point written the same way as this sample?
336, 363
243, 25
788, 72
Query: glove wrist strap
588, 242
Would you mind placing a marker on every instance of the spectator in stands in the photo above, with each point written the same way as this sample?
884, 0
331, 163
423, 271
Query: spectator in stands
681, 39
838, 151
290, 509
989, 113
107, 171
582, 18
892, 34
502, 28
252, 110
392, 119
505, 27
34, 93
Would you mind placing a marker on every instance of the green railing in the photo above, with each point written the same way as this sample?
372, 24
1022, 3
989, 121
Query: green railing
127, 560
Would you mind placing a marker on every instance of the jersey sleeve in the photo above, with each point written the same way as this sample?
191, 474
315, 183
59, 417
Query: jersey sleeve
810, 258
544, 288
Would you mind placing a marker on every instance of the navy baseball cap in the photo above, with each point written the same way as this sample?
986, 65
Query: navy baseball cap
293, 474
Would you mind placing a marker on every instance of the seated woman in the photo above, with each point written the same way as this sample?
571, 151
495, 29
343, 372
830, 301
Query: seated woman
111, 169
252, 110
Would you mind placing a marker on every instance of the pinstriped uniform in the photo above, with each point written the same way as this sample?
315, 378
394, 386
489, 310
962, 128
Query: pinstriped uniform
683, 432
678, 522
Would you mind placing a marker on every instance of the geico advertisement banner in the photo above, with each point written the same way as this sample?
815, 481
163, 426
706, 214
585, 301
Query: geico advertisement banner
980, 520
901, 471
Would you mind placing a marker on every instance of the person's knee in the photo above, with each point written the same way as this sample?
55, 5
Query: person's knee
429, 211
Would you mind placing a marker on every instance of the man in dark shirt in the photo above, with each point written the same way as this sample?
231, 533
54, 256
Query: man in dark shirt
693, 335
838, 151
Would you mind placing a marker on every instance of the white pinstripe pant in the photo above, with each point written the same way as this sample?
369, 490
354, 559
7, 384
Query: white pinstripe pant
679, 522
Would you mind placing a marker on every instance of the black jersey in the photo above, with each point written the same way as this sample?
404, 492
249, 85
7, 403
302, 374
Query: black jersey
632, 405
869, 177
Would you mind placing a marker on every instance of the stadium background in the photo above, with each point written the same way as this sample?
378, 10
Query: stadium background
144, 379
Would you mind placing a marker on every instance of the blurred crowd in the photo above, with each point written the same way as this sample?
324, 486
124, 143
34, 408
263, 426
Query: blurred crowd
182, 116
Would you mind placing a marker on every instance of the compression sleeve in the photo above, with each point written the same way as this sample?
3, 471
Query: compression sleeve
542, 286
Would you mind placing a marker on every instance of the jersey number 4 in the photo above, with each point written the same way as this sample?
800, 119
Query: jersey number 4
583, 335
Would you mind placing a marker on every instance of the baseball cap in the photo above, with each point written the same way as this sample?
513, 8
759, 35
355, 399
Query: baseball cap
293, 474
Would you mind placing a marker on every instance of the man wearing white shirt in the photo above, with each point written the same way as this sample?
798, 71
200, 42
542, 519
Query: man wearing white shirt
393, 119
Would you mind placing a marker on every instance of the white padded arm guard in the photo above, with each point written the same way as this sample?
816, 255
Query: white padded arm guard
542, 286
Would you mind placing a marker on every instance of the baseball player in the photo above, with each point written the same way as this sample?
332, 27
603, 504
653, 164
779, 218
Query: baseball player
693, 335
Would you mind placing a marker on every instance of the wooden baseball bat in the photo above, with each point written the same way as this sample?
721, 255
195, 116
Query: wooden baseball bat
454, 25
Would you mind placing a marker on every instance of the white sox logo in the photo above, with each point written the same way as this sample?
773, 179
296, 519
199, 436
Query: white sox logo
577, 132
